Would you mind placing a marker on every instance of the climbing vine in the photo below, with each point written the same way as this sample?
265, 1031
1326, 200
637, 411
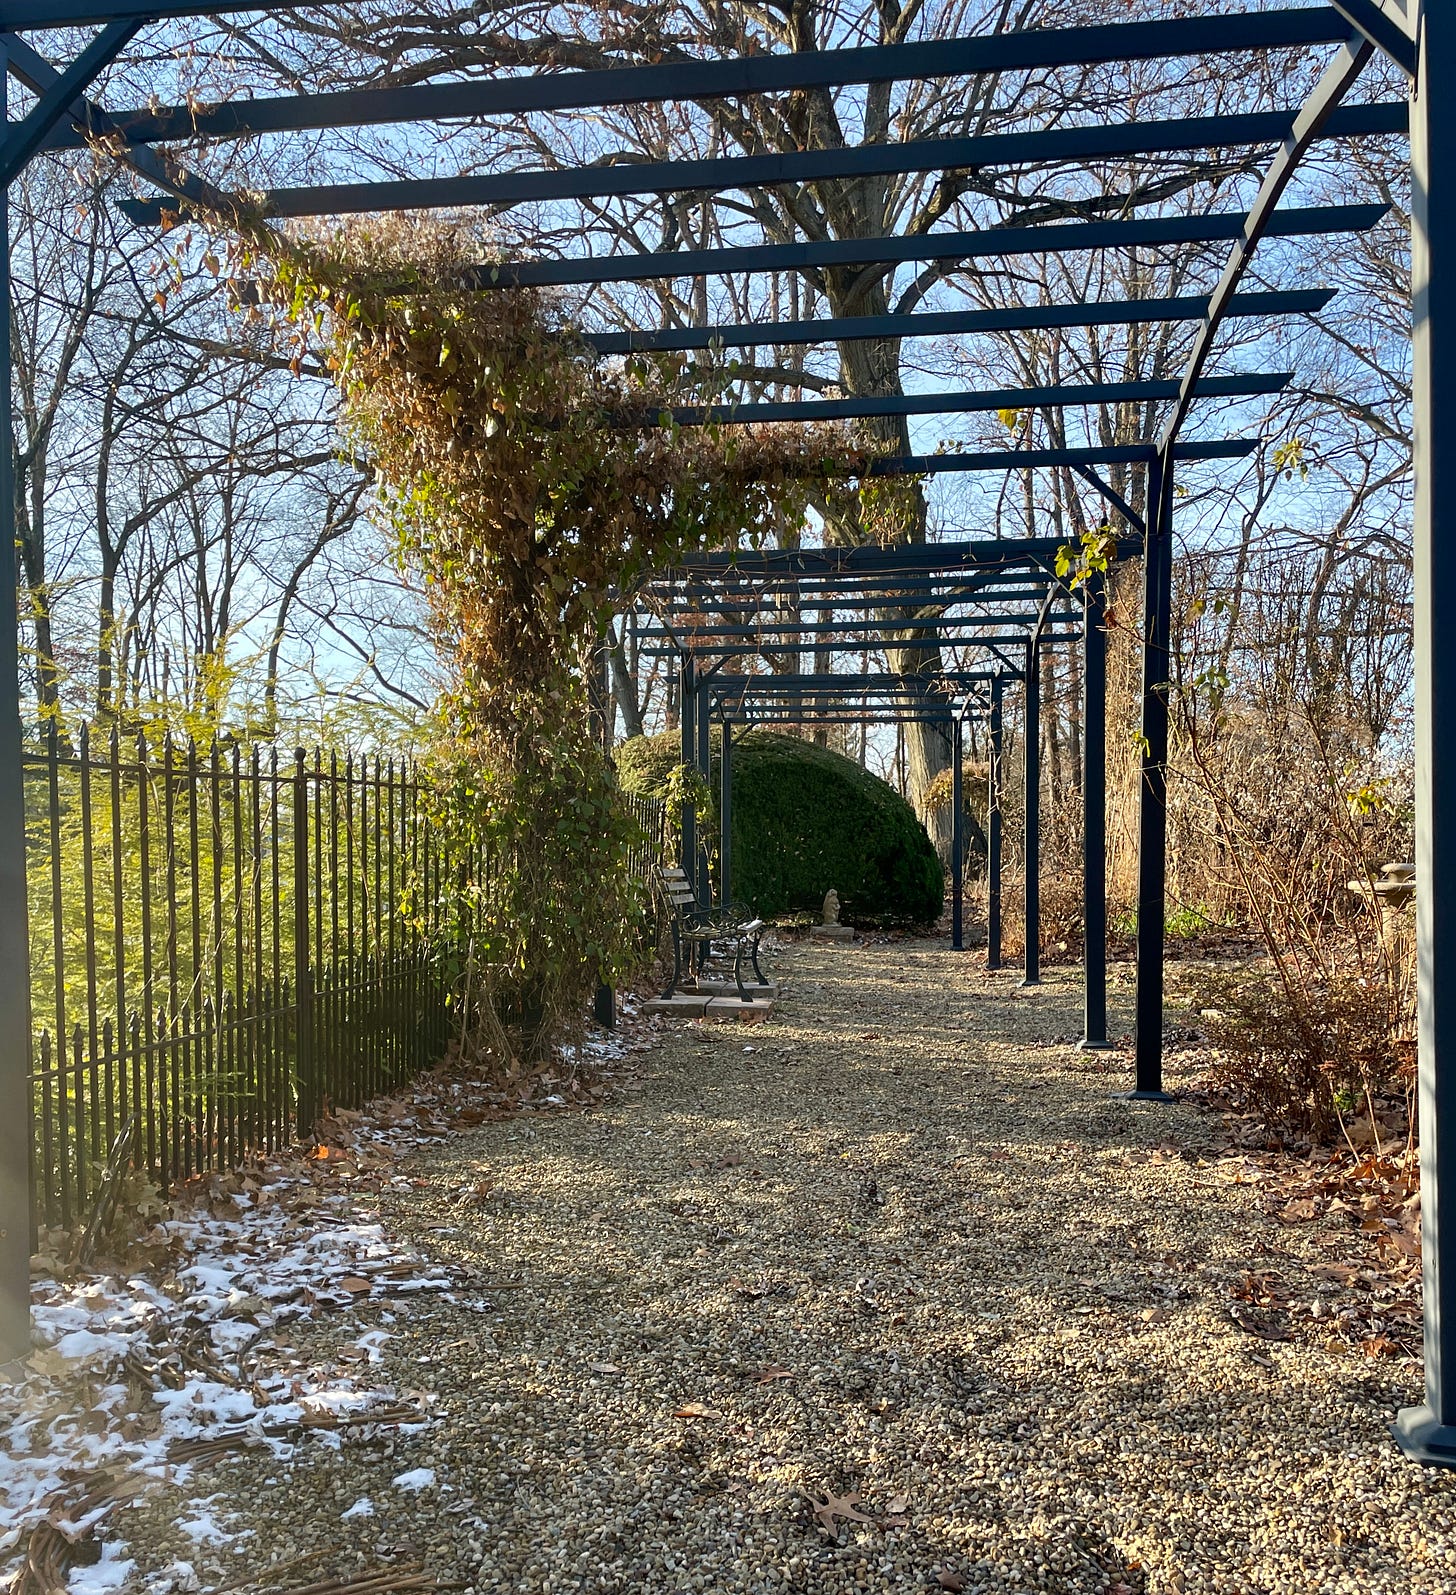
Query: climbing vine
527, 483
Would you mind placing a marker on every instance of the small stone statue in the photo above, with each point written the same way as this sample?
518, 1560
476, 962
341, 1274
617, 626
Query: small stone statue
831, 926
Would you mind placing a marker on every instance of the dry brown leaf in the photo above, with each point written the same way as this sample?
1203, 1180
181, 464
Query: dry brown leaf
838, 1506
695, 1409
1340, 1273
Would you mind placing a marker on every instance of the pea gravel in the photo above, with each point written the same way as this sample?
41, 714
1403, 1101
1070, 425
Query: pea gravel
896, 1253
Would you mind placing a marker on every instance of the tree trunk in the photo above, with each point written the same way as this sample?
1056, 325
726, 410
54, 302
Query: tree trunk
624, 689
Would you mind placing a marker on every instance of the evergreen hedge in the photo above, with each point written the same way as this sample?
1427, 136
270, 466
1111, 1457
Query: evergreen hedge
805, 819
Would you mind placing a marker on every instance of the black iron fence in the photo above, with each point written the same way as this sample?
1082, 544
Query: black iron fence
223, 944
226, 943
656, 843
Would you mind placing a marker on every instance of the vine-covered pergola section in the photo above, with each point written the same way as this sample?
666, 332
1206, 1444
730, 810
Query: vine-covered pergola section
1420, 40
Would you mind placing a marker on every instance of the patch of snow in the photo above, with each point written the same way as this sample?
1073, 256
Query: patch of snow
252, 1254
204, 1527
363, 1507
373, 1343
103, 1577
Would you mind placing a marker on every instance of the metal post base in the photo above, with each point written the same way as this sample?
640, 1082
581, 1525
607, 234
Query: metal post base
1035, 980
1144, 1096
1084, 1045
604, 1008
1424, 1438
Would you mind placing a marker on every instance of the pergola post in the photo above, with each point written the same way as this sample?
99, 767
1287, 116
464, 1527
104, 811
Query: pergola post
704, 762
687, 697
1427, 1433
603, 713
957, 834
15, 1100
600, 707
725, 815
993, 829
1094, 814
1031, 816
1153, 786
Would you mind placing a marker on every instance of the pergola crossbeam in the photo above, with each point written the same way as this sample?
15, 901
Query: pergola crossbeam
769, 631
1028, 459
693, 79
39, 14
1063, 395
973, 554
939, 324
992, 243
629, 178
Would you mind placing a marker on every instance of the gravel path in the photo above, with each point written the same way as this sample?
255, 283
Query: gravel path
897, 1254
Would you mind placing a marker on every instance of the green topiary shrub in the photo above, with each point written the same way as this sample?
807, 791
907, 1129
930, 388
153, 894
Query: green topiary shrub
806, 819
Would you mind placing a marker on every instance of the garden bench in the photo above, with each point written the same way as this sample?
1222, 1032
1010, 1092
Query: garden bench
701, 927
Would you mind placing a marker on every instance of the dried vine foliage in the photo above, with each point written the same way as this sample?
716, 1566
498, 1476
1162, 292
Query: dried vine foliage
527, 482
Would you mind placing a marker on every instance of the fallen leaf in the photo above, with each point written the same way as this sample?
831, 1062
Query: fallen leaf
1249, 1327
950, 1581
695, 1409
1340, 1273
898, 1504
604, 1367
837, 1506
768, 1375
354, 1284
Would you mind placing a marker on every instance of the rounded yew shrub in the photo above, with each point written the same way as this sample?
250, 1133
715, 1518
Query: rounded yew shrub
805, 819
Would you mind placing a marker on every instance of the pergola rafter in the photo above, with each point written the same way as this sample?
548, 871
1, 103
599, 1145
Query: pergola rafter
994, 243
717, 173
692, 78
940, 324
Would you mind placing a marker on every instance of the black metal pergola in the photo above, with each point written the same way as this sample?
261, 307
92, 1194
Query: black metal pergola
1419, 38
990, 599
